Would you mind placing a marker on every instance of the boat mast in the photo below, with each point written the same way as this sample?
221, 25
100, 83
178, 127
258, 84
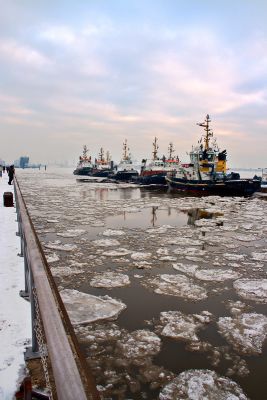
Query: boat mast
85, 151
155, 149
108, 157
101, 154
171, 150
125, 155
209, 133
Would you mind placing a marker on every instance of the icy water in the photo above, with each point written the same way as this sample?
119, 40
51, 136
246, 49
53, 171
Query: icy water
167, 293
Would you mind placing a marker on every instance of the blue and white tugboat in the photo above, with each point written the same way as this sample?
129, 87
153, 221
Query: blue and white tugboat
84, 166
125, 170
206, 171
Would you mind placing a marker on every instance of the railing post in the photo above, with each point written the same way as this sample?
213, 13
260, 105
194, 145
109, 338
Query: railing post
33, 351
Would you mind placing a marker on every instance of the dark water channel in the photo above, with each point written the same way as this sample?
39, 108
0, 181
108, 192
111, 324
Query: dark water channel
136, 211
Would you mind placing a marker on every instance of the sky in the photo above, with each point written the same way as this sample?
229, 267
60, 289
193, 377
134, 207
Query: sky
98, 72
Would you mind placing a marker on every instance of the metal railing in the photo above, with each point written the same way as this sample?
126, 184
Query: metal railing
71, 373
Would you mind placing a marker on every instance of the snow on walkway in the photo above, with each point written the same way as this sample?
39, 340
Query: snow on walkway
15, 325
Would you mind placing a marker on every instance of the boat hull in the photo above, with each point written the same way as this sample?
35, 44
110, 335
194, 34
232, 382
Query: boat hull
82, 171
238, 187
125, 176
152, 178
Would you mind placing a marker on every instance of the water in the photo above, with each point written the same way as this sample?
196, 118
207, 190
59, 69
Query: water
146, 233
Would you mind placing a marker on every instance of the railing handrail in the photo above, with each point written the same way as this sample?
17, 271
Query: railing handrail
71, 382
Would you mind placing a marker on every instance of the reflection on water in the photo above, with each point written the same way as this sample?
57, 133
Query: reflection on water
158, 231
147, 217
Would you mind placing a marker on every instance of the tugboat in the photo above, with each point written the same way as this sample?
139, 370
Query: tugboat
125, 170
84, 166
103, 166
155, 172
206, 172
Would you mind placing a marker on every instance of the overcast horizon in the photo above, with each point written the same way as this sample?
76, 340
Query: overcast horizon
100, 72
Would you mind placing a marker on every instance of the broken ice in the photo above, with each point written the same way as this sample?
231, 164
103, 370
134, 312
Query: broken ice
84, 308
200, 385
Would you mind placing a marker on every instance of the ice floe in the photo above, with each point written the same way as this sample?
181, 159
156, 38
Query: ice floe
140, 256
51, 258
234, 257
188, 269
113, 232
139, 344
183, 327
106, 242
71, 233
110, 280
117, 253
66, 271
216, 274
246, 332
58, 245
200, 385
259, 256
252, 289
177, 285
84, 308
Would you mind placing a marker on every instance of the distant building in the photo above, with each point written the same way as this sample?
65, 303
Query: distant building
23, 162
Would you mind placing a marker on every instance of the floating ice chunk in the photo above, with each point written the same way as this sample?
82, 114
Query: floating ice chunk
183, 241
216, 275
252, 289
116, 253
84, 308
202, 384
229, 228
180, 326
110, 279
57, 245
139, 344
189, 251
234, 257
259, 256
113, 232
51, 258
161, 229
142, 265
178, 285
164, 251
245, 238
66, 271
140, 256
167, 258
97, 223
106, 242
246, 332
71, 233
186, 268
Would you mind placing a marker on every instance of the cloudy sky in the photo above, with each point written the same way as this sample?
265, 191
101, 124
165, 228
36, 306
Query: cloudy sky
98, 71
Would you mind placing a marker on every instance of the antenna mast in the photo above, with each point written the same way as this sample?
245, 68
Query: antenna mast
209, 132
